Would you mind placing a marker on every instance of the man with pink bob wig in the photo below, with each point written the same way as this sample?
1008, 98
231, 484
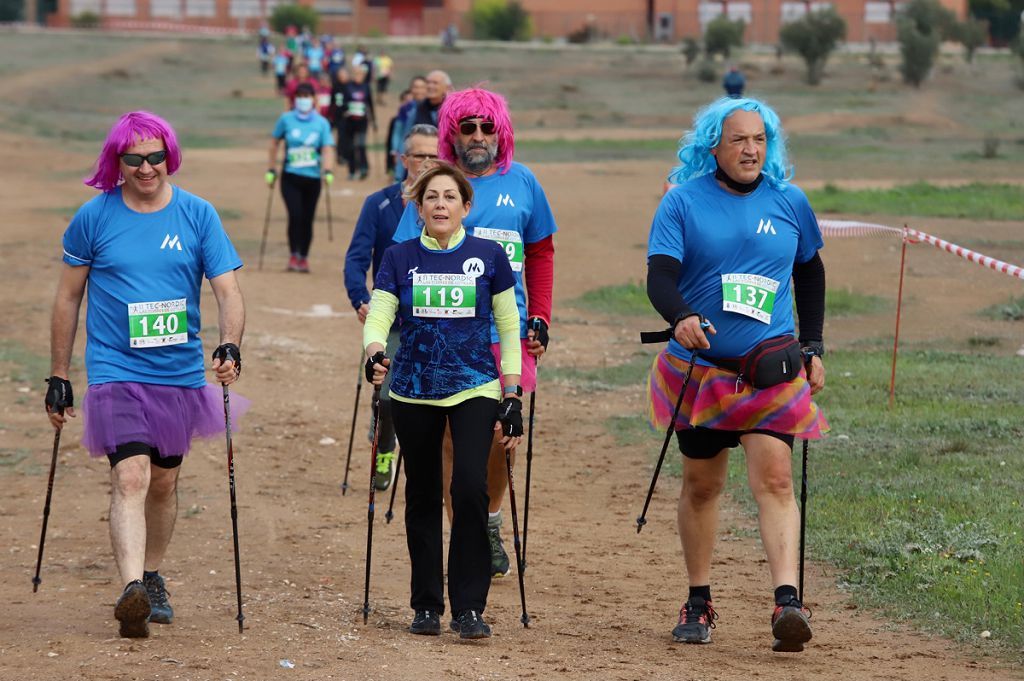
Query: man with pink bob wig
143, 246
474, 131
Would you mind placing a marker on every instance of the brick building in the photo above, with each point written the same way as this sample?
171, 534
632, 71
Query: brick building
672, 20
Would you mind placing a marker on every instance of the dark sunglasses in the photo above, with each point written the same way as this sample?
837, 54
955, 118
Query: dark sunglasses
135, 160
469, 127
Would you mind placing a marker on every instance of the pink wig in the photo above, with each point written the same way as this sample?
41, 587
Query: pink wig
130, 129
472, 103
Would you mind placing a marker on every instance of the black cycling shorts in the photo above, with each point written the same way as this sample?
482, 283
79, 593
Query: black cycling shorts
706, 443
130, 449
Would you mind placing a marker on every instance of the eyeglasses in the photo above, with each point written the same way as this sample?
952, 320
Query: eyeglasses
135, 160
469, 127
422, 157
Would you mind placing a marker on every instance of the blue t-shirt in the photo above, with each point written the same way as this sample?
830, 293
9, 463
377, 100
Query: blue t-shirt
737, 254
315, 59
511, 209
303, 137
146, 271
444, 304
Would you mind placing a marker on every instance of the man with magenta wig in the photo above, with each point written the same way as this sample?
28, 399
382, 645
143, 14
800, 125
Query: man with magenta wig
474, 132
143, 247
731, 248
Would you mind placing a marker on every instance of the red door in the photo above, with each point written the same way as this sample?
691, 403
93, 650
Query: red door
405, 17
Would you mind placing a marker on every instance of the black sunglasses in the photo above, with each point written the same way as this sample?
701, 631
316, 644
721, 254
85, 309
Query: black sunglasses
469, 127
135, 160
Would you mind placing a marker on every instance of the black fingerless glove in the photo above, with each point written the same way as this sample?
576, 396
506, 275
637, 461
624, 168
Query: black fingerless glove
59, 395
229, 351
510, 413
540, 330
376, 359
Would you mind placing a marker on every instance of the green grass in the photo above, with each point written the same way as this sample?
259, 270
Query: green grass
976, 201
620, 299
846, 303
919, 506
631, 372
22, 365
1011, 311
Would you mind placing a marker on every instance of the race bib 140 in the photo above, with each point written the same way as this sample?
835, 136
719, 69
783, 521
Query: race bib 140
157, 324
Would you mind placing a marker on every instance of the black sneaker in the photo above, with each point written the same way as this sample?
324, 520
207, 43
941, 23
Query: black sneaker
426, 623
499, 559
132, 610
160, 610
696, 620
470, 625
791, 627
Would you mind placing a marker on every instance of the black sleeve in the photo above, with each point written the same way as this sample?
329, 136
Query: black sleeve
809, 294
662, 282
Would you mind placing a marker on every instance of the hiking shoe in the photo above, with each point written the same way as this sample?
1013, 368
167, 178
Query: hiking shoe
470, 625
426, 623
791, 627
160, 610
132, 610
385, 470
696, 620
302, 265
499, 559
293, 264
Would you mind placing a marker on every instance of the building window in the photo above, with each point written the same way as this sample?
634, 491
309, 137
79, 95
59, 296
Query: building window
792, 11
200, 8
165, 9
240, 9
79, 6
879, 12
335, 7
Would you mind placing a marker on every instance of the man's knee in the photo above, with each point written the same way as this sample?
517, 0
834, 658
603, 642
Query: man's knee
131, 477
777, 481
163, 483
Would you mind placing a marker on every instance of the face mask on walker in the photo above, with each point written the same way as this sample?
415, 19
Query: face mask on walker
304, 105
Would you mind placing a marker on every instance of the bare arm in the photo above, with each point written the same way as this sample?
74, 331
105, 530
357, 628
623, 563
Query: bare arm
231, 318
327, 158
66, 306
272, 153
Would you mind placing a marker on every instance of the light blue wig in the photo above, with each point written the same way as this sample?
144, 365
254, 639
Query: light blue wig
695, 158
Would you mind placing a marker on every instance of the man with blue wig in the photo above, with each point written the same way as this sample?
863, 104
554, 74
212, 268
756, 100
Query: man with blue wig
731, 248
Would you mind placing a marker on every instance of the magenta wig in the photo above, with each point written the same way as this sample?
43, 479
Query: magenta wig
473, 103
130, 129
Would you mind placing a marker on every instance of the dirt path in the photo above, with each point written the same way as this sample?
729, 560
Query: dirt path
602, 598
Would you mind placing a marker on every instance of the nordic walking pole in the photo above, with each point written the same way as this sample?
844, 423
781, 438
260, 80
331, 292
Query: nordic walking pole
266, 225
369, 513
803, 503
330, 222
394, 487
36, 581
655, 337
529, 466
352, 434
525, 619
234, 506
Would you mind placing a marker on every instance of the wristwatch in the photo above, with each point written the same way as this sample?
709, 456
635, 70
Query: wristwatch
812, 349
515, 390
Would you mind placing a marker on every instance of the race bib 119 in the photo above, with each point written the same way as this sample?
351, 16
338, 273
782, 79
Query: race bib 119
749, 294
156, 324
443, 295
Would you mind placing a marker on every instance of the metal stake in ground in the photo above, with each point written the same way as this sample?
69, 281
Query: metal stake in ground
36, 581
394, 487
525, 619
266, 225
529, 467
234, 506
642, 519
352, 434
369, 513
330, 223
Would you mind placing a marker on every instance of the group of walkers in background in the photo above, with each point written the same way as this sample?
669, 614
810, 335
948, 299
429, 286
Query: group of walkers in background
460, 252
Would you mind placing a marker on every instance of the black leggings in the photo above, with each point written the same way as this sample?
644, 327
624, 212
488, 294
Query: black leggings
355, 136
420, 429
300, 196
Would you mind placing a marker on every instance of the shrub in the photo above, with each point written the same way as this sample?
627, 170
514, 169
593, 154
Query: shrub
918, 51
12, 10
814, 37
990, 147
284, 16
691, 50
706, 71
583, 34
500, 20
972, 34
722, 34
86, 19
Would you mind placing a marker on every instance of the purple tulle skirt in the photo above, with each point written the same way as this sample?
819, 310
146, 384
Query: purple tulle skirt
163, 416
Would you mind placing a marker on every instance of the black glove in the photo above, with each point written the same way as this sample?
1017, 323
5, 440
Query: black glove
229, 351
540, 330
510, 413
59, 395
376, 359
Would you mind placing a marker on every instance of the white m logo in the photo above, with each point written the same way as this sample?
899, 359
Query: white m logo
765, 226
171, 243
505, 200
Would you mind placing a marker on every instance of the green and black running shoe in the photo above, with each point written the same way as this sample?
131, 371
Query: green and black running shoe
385, 470
499, 559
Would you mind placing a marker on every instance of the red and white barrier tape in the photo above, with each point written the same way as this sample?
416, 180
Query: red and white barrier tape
848, 228
967, 254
